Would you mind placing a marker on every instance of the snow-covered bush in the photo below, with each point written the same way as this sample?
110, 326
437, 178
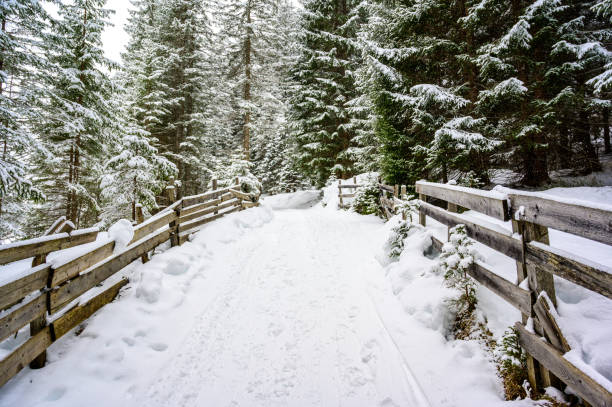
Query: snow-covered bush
366, 199
250, 185
395, 243
409, 208
512, 365
471, 180
456, 258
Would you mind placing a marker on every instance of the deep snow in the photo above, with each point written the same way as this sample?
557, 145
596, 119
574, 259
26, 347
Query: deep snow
278, 306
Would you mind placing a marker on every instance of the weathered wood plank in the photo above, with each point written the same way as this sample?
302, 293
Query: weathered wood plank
198, 207
11, 323
553, 360
35, 247
346, 195
241, 195
202, 221
196, 199
489, 203
14, 291
499, 240
592, 223
349, 186
20, 357
71, 269
387, 188
595, 277
152, 224
196, 215
516, 296
100, 272
551, 328
80, 313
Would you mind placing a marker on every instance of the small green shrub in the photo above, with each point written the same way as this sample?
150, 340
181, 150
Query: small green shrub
366, 199
395, 242
512, 365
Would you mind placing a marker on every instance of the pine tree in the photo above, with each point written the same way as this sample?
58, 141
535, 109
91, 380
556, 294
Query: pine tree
183, 35
76, 115
135, 172
325, 76
23, 24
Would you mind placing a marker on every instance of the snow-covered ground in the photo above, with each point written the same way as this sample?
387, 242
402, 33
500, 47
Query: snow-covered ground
290, 304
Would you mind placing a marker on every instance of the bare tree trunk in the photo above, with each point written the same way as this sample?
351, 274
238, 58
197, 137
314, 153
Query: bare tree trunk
606, 130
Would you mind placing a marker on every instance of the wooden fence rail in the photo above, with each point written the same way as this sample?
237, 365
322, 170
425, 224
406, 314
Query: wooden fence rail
46, 290
536, 261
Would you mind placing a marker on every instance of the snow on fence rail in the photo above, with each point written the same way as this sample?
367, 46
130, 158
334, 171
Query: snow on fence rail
47, 289
536, 261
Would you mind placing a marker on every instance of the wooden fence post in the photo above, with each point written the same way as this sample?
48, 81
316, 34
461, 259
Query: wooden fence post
403, 196
354, 180
139, 219
340, 193
539, 281
422, 216
171, 194
214, 188
40, 323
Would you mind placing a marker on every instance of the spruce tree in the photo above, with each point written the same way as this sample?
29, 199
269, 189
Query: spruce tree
325, 77
23, 25
76, 114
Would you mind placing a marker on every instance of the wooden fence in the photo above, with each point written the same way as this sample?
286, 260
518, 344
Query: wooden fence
40, 296
536, 261
390, 195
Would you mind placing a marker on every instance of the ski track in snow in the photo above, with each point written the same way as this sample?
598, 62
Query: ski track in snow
285, 315
294, 325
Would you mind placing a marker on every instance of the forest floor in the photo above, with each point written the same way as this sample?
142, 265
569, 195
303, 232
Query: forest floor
290, 304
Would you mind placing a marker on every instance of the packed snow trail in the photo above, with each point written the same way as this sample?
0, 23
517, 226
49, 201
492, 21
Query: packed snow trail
260, 309
292, 326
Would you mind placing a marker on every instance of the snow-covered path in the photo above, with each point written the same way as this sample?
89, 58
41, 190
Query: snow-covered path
293, 325
261, 309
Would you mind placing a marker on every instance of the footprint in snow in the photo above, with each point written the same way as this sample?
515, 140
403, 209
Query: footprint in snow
158, 347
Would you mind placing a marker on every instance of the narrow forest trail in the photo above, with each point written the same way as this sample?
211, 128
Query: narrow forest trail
294, 325
262, 308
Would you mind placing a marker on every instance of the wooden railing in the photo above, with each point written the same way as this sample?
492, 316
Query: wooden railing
531, 215
389, 195
43, 292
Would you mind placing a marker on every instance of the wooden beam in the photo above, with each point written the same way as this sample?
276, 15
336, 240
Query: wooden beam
542, 309
35, 280
152, 224
20, 317
20, 357
553, 360
592, 223
197, 215
513, 294
196, 199
346, 195
349, 186
490, 203
241, 195
64, 294
78, 314
595, 277
198, 207
500, 240
47, 244
72, 269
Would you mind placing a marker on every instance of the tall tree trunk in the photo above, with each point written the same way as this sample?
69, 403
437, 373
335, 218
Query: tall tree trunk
247, 86
606, 130
590, 159
1, 88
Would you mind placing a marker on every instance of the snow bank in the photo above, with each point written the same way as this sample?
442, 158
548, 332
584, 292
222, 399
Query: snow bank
122, 233
330, 192
295, 200
127, 342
